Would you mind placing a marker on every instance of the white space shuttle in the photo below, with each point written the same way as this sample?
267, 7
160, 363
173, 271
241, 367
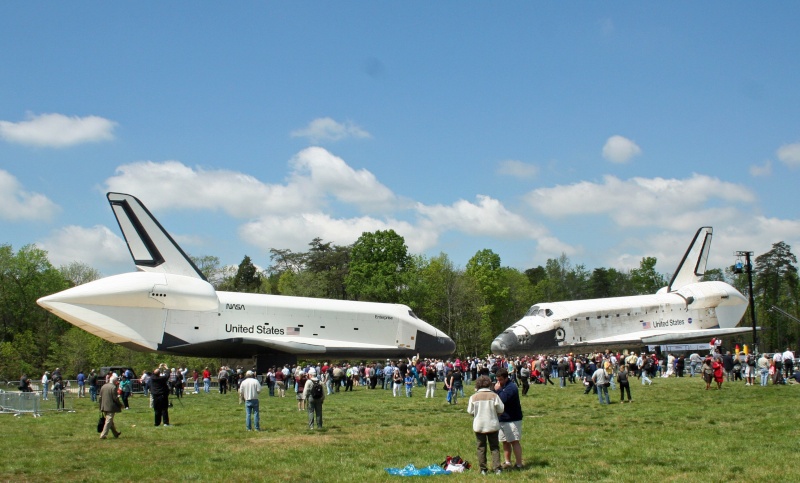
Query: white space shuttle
169, 306
686, 310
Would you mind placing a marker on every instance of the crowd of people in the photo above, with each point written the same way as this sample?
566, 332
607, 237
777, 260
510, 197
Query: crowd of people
495, 404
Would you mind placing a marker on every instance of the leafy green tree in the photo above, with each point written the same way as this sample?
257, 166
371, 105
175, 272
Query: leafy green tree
330, 264
285, 260
378, 263
776, 283
451, 302
645, 279
25, 276
484, 269
536, 275
246, 279
609, 282
714, 275
210, 267
78, 273
518, 300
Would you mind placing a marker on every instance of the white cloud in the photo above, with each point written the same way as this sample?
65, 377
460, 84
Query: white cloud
761, 170
789, 154
517, 169
57, 130
16, 204
326, 173
486, 218
674, 203
295, 231
97, 247
620, 150
173, 185
317, 176
327, 129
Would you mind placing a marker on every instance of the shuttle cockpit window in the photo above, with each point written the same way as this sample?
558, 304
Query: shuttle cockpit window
536, 310
532, 311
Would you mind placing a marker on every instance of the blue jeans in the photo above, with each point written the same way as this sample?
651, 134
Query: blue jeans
207, 385
764, 377
601, 390
93, 393
251, 411
692, 368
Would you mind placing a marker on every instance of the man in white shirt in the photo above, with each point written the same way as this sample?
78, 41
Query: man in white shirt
249, 389
777, 358
788, 362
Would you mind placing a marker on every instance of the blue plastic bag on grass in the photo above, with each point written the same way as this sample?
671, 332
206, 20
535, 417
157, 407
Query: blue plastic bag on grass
412, 470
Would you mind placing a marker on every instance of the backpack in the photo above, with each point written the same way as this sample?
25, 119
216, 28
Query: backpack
316, 390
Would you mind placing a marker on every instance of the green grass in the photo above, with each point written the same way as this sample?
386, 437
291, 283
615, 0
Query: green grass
674, 431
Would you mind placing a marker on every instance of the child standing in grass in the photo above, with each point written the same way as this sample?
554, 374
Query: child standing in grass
409, 380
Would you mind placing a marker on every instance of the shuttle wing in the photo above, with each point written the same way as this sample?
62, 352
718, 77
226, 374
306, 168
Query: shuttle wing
650, 337
303, 345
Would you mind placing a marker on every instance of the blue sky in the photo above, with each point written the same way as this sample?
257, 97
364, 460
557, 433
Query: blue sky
605, 131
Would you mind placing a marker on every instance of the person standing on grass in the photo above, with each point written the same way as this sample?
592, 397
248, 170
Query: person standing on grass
788, 362
300, 384
600, 378
694, 363
409, 382
249, 389
624, 384
110, 405
397, 382
718, 373
206, 380
159, 390
93, 385
81, 379
222, 378
430, 376
45, 384
511, 418
485, 406
314, 395
708, 371
125, 390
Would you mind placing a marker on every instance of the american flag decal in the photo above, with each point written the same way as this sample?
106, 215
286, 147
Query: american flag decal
645, 325
293, 331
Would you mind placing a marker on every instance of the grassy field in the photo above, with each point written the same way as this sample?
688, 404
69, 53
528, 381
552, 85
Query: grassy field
674, 430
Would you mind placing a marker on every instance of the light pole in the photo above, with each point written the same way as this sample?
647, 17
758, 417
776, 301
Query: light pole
749, 267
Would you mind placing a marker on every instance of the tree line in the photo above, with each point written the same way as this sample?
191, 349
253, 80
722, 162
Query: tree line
471, 304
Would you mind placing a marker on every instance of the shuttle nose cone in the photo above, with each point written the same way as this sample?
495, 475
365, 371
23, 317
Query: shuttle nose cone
504, 343
435, 345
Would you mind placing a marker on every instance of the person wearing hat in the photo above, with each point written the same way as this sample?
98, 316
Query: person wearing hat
110, 405
249, 390
314, 395
45, 384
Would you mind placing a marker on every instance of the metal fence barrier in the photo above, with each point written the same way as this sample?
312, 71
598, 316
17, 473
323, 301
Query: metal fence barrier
20, 403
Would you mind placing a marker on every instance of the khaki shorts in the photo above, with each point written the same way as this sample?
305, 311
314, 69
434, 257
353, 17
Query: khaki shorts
510, 431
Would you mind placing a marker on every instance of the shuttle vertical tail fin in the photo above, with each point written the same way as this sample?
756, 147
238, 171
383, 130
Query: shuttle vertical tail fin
693, 264
152, 248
